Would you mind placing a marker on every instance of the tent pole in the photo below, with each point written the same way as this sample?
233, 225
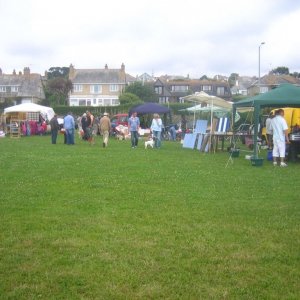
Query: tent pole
256, 120
211, 123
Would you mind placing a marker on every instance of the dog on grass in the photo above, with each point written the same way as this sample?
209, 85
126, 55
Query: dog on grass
120, 137
149, 143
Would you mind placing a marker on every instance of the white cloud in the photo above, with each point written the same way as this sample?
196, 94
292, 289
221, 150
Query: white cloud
175, 37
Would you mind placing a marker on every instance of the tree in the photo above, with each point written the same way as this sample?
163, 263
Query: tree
204, 77
144, 92
55, 72
57, 86
129, 98
280, 71
295, 74
232, 79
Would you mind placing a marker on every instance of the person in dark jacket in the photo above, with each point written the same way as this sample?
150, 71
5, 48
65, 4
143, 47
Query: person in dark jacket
84, 126
54, 129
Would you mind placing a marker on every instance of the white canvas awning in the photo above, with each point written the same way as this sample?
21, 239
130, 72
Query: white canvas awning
46, 112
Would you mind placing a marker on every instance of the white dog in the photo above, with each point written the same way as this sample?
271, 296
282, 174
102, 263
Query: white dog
120, 137
149, 143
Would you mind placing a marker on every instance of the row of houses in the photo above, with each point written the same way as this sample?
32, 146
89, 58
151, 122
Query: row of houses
102, 87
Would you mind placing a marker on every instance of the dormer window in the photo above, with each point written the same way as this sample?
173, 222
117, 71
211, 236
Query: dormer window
158, 90
220, 91
179, 88
206, 88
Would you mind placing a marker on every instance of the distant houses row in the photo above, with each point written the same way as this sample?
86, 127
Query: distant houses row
102, 87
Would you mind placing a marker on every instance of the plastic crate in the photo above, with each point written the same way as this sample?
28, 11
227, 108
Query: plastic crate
234, 152
270, 155
257, 162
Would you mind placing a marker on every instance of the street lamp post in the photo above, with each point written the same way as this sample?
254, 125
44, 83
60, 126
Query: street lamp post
262, 43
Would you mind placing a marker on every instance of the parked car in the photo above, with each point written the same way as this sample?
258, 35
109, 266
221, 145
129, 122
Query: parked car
118, 119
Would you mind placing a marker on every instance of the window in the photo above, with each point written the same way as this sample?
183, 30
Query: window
3, 89
115, 102
77, 88
96, 89
179, 88
263, 89
106, 102
100, 102
220, 91
94, 101
73, 102
158, 90
33, 116
14, 89
163, 100
206, 88
82, 102
113, 88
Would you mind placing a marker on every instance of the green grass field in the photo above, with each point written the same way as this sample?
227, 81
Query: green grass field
83, 222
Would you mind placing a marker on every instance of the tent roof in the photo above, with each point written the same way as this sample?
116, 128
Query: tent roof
47, 112
203, 98
149, 108
284, 95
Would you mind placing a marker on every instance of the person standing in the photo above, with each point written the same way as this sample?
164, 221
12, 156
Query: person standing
69, 126
183, 126
104, 127
133, 128
54, 129
89, 128
156, 128
269, 131
83, 122
280, 137
172, 131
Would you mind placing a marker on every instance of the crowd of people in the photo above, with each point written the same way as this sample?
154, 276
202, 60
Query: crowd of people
88, 128
276, 128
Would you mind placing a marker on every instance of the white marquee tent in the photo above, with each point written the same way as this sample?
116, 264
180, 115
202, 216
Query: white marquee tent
46, 112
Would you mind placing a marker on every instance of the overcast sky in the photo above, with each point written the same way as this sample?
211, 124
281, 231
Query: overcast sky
176, 37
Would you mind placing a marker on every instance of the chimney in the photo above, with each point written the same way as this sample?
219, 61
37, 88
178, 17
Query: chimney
14, 72
122, 73
26, 71
106, 67
71, 72
123, 67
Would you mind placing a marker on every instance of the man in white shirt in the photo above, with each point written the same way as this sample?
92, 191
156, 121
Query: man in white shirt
280, 137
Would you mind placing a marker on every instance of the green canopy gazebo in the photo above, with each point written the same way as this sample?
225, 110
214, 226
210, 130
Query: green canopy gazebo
284, 95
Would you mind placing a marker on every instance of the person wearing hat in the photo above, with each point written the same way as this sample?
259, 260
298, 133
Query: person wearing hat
104, 128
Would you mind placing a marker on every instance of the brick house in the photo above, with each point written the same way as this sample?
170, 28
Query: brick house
97, 87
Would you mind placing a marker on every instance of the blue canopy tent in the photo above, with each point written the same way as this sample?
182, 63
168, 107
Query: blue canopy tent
149, 108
